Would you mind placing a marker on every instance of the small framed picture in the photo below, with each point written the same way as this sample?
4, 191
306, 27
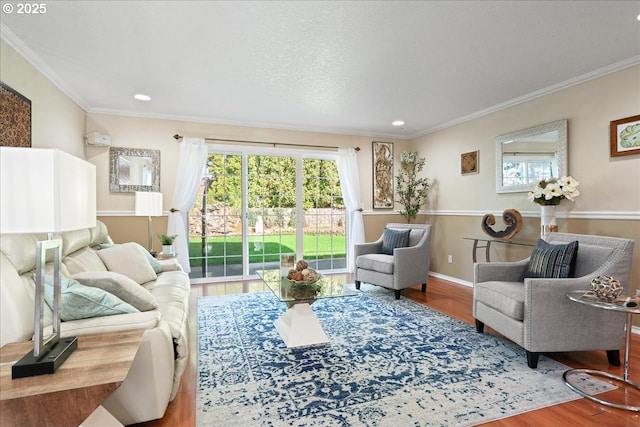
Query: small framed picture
625, 136
470, 162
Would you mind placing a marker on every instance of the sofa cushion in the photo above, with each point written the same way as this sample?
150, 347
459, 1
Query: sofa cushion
376, 262
394, 238
84, 259
155, 264
505, 297
119, 285
552, 261
130, 260
82, 302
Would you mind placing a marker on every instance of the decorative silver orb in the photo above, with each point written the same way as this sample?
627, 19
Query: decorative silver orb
606, 288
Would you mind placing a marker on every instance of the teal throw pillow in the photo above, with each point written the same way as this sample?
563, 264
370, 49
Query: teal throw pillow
394, 238
82, 302
552, 261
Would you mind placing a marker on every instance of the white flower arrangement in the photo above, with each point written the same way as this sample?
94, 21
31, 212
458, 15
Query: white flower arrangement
552, 191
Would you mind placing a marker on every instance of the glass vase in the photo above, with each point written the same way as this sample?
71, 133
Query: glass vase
547, 220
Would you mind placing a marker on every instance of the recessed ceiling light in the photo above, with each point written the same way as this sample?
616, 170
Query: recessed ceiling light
142, 97
398, 123
638, 17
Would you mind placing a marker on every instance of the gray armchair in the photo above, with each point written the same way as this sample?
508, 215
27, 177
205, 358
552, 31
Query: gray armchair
408, 266
536, 313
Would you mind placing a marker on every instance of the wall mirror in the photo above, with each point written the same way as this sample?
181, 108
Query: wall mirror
134, 169
526, 156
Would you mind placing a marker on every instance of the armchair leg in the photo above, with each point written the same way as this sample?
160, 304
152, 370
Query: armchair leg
479, 326
424, 287
357, 284
532, 359
398, 293
614, 357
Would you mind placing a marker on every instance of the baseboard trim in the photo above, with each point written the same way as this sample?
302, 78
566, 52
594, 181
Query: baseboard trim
451, 279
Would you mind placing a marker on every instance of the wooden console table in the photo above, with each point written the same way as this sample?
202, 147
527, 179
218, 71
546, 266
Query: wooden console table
66, 398
487, 245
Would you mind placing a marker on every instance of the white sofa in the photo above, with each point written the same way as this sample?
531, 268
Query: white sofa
154, 377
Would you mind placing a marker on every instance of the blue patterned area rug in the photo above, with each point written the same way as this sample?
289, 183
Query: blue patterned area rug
390, 363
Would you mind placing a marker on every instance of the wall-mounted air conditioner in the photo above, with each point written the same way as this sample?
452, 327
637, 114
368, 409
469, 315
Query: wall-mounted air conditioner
97, 139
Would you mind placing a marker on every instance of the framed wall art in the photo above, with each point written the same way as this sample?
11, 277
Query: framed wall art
15, 118
382, 175
470, 163
625, 136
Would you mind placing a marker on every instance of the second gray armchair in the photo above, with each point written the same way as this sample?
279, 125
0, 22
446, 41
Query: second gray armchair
393, 262
535, 312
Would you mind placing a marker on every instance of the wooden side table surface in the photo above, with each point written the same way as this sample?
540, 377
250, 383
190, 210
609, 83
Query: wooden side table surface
66, 398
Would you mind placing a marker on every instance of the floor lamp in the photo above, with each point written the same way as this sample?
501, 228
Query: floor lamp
45, 191
149, 204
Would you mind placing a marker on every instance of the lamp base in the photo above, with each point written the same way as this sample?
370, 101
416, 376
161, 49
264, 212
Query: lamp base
30, 366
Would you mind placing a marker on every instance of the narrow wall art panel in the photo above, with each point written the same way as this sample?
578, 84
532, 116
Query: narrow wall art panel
382, 175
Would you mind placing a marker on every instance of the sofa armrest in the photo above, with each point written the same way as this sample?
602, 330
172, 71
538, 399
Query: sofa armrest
367, 248
104, 324
499, 271
583, 327
170, 264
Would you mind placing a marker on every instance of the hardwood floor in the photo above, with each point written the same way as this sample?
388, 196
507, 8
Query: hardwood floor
454, 300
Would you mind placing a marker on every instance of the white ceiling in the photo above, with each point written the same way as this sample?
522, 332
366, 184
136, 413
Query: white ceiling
344, 67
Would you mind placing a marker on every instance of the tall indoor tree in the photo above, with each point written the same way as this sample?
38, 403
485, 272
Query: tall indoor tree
412, 191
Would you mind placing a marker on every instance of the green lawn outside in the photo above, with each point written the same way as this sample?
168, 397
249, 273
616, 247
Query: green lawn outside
315, 246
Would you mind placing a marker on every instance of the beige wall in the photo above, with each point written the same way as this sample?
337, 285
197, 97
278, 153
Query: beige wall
135, 132
610, 187
56, 121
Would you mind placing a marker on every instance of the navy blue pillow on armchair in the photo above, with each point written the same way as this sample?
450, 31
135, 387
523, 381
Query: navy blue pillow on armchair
394, 238
552, 261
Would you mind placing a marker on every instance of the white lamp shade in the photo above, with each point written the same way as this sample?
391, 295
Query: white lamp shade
45, 190
148, 203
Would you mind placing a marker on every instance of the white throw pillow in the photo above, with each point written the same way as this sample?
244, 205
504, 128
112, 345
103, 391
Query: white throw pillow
119, 285
128, 259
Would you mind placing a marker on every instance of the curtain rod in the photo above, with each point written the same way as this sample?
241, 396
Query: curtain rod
273, 144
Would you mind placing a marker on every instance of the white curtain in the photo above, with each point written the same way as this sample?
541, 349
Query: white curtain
193, 158
350, 183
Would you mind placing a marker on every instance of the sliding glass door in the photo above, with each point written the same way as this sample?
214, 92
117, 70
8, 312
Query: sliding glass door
255, 207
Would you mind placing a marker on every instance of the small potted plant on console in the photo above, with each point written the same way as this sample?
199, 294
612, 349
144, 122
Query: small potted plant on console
167, 244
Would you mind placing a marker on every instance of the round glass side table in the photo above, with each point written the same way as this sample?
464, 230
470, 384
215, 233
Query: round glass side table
588, 298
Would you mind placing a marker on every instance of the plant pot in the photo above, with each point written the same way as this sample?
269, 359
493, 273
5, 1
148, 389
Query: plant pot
167, 250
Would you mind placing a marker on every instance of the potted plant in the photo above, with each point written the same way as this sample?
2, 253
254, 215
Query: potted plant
167, 243
411, 191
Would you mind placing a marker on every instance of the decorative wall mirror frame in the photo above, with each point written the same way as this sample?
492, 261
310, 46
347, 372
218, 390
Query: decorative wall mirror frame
526, 156
134, 169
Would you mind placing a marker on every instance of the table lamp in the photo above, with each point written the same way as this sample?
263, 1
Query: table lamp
149, 204
45, 191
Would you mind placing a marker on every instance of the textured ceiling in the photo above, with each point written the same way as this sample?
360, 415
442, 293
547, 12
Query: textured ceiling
345, 67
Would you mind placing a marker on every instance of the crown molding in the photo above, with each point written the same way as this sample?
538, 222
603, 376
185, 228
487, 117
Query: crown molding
31, 57
262, 125
16, 43
600, 72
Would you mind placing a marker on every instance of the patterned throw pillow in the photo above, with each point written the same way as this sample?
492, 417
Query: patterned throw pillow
394, 238
552, 261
